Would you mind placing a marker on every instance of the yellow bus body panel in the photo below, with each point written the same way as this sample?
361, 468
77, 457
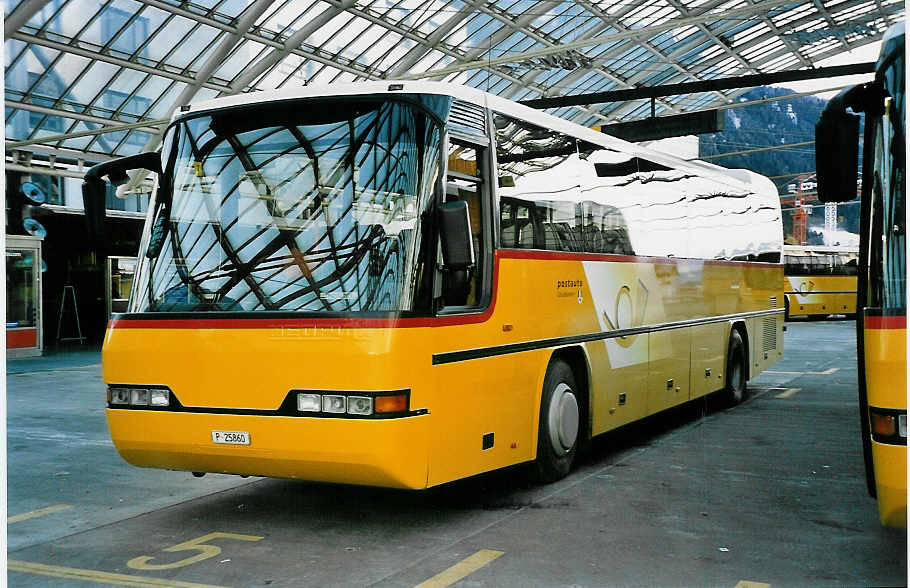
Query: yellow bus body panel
537, 298
886, 387
820, 295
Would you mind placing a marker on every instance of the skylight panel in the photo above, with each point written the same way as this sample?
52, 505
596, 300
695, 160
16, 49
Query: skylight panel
290, 15
188, 50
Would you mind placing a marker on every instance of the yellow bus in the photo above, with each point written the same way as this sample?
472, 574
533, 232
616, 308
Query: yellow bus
819, 281
882, 289
403, 284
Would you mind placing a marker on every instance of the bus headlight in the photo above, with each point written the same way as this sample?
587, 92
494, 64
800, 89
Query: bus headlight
119, 395
127, 397
139, 397
159, 398
309, 402
332, 403
339, 403
360, 405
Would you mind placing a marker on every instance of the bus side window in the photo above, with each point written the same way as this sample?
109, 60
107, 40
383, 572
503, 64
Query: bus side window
466, 182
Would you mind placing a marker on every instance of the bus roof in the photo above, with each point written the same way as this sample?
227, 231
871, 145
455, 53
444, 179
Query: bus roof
739, 178
892, 42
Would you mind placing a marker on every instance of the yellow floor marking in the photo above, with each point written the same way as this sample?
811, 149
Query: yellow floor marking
27, 567
465, 567
37, 513
790, 392
748, 584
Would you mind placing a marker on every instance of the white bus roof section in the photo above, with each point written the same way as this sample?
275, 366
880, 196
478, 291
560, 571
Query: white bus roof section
752, 181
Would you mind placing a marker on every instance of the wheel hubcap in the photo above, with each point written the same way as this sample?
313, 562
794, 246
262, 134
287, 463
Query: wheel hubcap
563, 419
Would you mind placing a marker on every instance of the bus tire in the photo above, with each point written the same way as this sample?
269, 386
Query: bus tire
559, 425
786, 308
735, 388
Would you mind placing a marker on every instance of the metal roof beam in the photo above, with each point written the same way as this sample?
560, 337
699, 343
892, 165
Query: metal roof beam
613, 21
88, 133
276, 55
64, 113
578, 44
827, 16
716, 39
418, 52
523, 83
45, 170
702, 86
23, 13
331, 60
227, 44
76, 50
793, 49
72, 154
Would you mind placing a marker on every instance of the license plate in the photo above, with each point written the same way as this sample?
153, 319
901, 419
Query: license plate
231, 437
902, 425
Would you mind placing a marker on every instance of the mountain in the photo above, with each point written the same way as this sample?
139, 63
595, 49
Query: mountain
770, 124
765, 125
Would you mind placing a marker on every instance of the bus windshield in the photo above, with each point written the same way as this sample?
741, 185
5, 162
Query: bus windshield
312, 207
887, 245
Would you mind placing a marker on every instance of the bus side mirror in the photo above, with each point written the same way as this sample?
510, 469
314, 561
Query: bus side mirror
837, 151
94, 188
457, 251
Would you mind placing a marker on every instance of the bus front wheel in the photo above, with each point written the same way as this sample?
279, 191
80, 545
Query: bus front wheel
736, 369
559, 426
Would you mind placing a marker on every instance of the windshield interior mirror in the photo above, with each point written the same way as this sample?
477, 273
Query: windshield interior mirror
457, 251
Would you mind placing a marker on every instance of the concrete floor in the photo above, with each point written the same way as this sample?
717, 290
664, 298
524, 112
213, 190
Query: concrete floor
770, 492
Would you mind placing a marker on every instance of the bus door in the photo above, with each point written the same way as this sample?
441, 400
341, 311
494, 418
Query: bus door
469, 440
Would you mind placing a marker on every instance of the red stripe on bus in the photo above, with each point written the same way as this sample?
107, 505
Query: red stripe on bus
886, 322
571, 256
391, 323
309, 323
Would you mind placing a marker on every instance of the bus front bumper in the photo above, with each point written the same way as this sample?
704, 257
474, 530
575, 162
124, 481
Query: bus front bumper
382, 452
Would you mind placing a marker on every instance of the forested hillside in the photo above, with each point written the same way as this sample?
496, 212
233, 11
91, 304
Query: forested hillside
775, 123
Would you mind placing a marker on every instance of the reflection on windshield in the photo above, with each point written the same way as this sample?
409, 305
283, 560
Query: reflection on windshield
269, 214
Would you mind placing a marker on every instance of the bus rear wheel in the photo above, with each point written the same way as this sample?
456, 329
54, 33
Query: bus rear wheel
559, 426
736, 369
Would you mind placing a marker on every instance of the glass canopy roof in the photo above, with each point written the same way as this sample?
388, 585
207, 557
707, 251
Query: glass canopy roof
91, 79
